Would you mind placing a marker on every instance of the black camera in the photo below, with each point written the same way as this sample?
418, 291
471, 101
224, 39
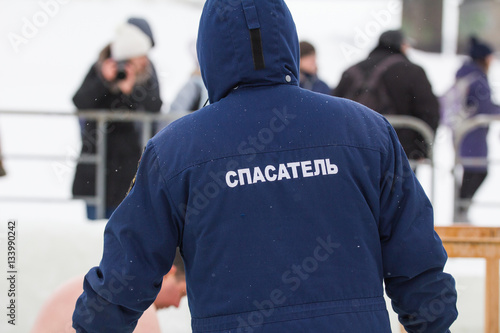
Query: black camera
121, 74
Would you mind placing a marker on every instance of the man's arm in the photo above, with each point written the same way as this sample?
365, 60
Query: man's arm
422, 294
140, 243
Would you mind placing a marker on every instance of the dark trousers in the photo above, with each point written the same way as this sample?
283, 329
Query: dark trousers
471, 181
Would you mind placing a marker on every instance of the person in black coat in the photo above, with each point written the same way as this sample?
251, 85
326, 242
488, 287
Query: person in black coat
123, 78
408, 89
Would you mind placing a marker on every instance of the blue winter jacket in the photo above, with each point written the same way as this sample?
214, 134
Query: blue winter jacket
479, 100
290, 208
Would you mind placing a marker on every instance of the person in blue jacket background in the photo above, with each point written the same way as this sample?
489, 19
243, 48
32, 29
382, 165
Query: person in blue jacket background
479, 102
308, 78
290, 208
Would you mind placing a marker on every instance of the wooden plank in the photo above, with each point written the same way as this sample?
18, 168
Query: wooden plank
491, 324
471, 240
478, 242
468, 231
472, 250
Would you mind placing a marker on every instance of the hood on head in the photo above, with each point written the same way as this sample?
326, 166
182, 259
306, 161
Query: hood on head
246, 43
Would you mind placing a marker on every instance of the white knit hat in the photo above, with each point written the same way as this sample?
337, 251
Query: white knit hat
130, 42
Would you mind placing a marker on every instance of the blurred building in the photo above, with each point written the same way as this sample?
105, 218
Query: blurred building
422, 22
480, 18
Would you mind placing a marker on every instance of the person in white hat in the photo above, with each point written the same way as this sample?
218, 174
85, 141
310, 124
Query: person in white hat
122, 78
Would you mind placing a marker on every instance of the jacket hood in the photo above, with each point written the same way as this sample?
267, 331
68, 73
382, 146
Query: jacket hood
246, 43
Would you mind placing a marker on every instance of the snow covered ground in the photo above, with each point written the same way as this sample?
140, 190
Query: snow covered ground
47, 47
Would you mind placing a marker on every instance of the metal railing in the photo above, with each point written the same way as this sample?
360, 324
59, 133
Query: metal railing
147, 120
420, 126
460, 132
99, 159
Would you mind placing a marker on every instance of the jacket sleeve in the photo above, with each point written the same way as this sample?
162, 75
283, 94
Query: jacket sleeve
140, 241
413, 256
425, 104
92, 91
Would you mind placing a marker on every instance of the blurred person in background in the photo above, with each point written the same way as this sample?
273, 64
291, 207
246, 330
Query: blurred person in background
193, 95
389, 83
309, 70
55, 314
123, 78
478, 102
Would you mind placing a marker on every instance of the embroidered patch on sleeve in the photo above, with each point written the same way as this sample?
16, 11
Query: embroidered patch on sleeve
132, 183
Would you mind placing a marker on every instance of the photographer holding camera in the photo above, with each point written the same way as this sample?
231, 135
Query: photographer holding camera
123, 78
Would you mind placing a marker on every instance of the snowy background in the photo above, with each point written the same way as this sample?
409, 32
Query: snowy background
47, 47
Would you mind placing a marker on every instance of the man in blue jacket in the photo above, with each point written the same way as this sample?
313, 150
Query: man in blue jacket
290, 208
